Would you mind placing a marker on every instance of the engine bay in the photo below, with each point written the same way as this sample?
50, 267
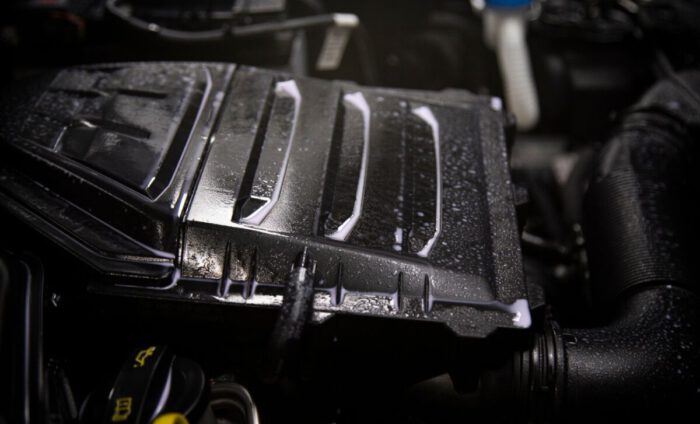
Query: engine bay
245, 211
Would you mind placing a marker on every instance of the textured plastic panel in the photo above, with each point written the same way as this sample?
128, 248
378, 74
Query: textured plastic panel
402, 198
102, 158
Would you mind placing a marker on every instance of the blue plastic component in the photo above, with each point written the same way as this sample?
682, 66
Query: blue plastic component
503, 4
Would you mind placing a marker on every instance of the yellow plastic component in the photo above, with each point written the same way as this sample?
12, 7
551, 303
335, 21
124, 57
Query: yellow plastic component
171, 419
122, 409
141, 357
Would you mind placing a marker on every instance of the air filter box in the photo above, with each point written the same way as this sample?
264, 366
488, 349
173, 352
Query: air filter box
203, 182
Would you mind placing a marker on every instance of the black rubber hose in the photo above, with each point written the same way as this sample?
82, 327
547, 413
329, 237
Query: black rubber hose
641, 223
646, 363
640, 214
294, 314
227, 30
643, 366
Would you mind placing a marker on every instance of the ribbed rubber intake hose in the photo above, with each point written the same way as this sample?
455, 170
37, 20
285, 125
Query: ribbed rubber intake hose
641, 224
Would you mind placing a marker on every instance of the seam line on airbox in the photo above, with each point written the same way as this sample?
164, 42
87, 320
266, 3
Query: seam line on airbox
282, 89
426, 115
357, 101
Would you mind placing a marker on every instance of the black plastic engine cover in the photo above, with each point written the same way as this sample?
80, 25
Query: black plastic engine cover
203, 182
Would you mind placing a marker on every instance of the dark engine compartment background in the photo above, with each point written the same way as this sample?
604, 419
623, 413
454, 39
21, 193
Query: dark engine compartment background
155, 194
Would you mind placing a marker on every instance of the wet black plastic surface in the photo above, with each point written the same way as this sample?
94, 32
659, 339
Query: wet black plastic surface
117, 148
402, 198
